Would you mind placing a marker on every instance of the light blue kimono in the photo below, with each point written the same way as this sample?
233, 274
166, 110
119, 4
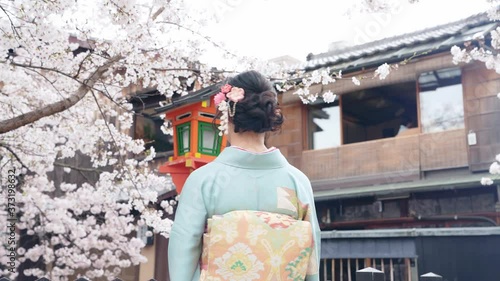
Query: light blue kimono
235, 180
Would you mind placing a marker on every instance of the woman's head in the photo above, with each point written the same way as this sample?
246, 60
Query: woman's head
258, 111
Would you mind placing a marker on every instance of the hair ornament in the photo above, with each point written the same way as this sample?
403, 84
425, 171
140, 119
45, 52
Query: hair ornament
227, 93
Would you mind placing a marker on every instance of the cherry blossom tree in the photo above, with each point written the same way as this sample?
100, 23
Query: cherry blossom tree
63, 70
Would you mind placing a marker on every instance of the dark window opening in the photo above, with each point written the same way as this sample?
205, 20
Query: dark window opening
381, 112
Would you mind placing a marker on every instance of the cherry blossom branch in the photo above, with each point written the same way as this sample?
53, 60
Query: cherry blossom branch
32, 116
80, 67
41, 68
70, 241
76, 168
107, 95
215, 44
103, 116
14, 30
48, 81
120, 9
112, 136
17, 158
197, 71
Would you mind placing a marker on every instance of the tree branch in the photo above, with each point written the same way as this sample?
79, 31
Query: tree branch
35, 115
76, 168
207, 38
17, 158
14, 30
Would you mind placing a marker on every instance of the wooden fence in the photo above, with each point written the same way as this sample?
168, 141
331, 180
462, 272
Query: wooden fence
78, 279
365, 274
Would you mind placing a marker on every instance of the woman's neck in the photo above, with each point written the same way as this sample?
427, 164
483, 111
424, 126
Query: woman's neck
250, 141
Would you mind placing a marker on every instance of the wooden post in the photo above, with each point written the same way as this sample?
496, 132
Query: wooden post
497, 205
349, 270
408, 268
325, 270
370, 274
391, 265
431, 277
333, 270
341, 270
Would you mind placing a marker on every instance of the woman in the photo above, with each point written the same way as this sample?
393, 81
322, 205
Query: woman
247, 182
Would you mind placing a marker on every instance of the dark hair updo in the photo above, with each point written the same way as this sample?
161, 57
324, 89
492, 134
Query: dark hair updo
258, 111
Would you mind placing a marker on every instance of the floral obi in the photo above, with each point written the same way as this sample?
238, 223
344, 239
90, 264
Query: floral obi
255, 245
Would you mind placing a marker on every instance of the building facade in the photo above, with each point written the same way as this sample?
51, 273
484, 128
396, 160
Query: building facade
405, 152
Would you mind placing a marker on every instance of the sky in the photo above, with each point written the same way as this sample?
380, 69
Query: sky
268, 29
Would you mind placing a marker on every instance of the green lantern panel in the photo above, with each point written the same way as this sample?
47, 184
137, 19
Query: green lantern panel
183, 136
209, 140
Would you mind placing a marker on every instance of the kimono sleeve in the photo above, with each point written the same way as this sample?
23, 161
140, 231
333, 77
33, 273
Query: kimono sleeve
185, 241
306, 198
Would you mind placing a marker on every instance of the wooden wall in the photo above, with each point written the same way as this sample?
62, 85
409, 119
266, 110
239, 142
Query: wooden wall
292, 136
388, 160
482, 114
443, 150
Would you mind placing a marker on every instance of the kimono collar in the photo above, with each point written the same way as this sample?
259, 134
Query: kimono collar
247, 160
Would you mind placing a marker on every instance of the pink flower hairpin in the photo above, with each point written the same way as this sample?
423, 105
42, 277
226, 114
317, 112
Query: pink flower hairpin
234, 94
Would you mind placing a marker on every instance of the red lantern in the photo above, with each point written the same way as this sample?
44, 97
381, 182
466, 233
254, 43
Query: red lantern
196, 139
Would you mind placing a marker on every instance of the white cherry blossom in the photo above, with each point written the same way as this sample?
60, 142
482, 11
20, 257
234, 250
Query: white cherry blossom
355, 81
329, 97
382, 71
486, 181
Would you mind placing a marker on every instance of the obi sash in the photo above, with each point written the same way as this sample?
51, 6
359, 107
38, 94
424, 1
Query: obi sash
256, 245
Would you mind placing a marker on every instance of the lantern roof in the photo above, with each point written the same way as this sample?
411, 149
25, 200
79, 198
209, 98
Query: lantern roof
196, 96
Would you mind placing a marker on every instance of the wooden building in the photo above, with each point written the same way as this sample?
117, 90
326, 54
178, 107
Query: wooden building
370, 173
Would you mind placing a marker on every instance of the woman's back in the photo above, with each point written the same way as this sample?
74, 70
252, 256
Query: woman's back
255, 180
241, 180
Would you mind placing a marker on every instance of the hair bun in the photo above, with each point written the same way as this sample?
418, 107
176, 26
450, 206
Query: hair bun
258, 111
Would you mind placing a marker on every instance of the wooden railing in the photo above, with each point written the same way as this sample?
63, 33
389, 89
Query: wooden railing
396, 159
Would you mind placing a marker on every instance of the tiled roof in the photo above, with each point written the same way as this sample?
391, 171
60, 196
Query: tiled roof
437, 39
192, 97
